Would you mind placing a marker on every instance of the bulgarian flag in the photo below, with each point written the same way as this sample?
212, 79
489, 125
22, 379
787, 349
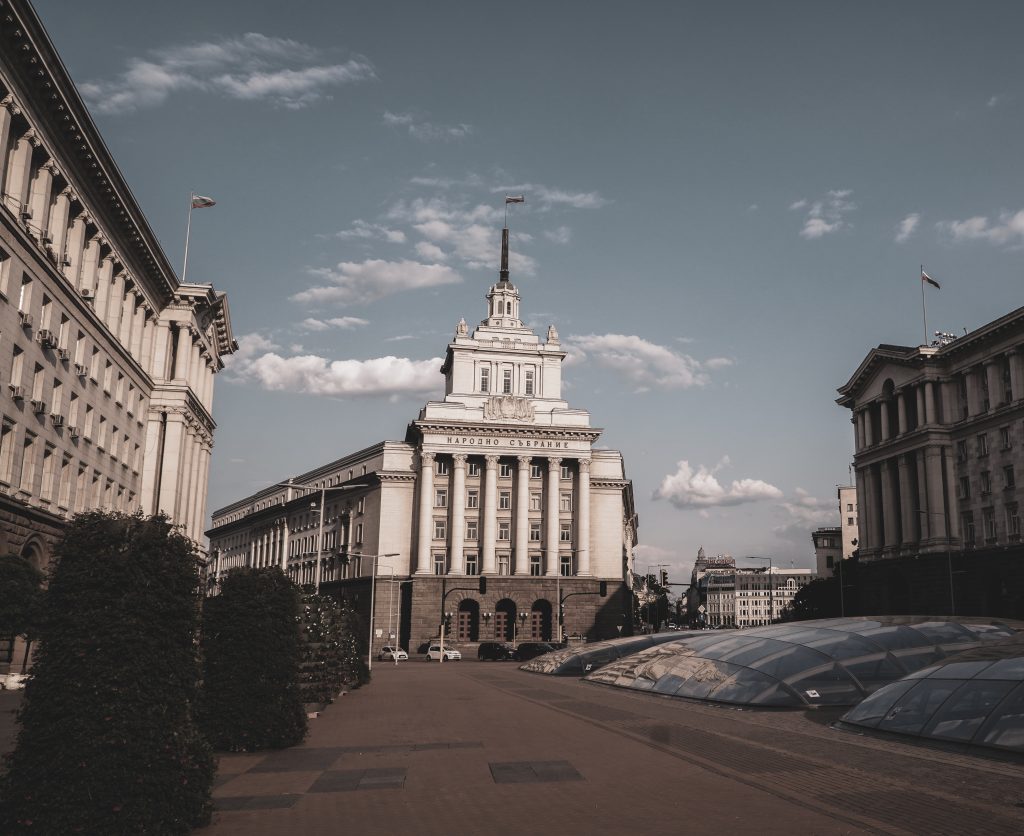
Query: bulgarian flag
200, 202
926, 278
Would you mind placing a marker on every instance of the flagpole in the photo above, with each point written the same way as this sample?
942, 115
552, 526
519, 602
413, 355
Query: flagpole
188, 233
924, 310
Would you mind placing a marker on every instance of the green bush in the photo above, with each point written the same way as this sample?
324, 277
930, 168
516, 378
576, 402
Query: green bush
354, 670
252, 649
108, 743
21, 583
332, 658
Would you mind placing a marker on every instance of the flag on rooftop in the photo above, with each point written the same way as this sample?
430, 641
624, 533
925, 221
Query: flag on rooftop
926, 278
515, 199
200, 202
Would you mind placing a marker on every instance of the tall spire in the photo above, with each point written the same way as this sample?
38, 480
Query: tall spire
503, 271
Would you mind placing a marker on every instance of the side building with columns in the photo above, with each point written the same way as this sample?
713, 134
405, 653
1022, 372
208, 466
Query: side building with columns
499, 479
107, 360
939, 440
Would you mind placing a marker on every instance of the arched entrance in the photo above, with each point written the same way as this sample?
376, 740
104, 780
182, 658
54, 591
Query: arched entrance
468, 626
540, 620
504, 620
34, 552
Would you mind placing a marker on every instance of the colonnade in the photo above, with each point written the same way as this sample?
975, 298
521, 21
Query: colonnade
519, 518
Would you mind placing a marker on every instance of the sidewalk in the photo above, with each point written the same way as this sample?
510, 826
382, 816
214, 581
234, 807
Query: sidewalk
468, 747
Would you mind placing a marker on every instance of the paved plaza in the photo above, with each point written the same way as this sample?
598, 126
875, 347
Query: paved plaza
484, 748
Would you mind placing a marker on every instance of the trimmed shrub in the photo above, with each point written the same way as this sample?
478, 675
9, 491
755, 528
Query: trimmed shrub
107, 742
332, 659
252, 649
353, 641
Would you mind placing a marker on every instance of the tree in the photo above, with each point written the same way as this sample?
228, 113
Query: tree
107, 742
252, 652
21, 583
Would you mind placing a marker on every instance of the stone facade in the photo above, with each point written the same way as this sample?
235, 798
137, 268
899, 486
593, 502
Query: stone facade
107, 359
498, 479
828, 549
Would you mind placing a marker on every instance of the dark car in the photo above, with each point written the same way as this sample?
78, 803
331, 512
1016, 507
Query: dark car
495, 652
530, 650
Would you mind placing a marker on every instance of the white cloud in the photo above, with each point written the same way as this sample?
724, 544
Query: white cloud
251, 67
362, 229
424, 249
689, 488
804, 513
646, 364
343, 322
1007, 230
548, 197
826, 215
362, 282
424, 130
907, 227
718, 363
257, 361
562, 235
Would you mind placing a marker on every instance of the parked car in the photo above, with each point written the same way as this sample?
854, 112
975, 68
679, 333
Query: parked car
434, 652
529, 650
392, 654
495, 652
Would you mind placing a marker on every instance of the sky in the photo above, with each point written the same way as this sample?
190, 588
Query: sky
727, 206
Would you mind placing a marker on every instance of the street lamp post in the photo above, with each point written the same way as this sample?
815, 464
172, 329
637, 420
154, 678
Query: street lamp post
373, 589
771, 589
949, 554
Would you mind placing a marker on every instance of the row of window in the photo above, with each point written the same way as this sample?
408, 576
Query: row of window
982, 445
506, 383
505, 469
504, 530
503, 561
990, 525
1009, 482
504, 500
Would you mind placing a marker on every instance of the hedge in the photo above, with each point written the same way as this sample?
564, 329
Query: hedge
332, 661
252, 649
108, 743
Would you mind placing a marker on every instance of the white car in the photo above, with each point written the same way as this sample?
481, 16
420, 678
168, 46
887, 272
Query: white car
434, 652
392, 654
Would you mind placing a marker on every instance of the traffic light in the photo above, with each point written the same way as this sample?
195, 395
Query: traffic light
664, 577
483, 585
603, 589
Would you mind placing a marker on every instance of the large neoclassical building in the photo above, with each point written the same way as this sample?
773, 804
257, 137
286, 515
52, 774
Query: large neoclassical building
107, 359
499, 479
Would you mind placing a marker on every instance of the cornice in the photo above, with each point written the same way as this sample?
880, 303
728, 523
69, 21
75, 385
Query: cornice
464, 428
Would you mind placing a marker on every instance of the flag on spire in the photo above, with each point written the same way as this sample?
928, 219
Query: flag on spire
200, 202
515, 198
926, 278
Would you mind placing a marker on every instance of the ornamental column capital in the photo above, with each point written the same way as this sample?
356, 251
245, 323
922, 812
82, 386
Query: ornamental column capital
460, 459
524, 461
554, 463
492, 461
426, 457
584, 465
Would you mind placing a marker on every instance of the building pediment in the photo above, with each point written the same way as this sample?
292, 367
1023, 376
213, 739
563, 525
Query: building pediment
896, 362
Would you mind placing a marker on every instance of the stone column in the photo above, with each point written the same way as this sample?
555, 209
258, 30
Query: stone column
127, 316
39, 204
884, 407
858, 431
908, 508
116, 303
935, 507
91, 264
522, 565
285, 544
919, 392
181, 508
869, 427
551, 514
426, 519
458, 501
901, 413
877, 510
76, 247
138, 328
18, 172
974, 397
1016, 363
995, 383
947, 391
183, 353
929, 402
583, 521
889, 505
489, 513
174, 438
923, 520
59, 223
863, 507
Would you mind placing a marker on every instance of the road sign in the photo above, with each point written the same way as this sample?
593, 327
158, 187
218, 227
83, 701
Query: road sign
702, 609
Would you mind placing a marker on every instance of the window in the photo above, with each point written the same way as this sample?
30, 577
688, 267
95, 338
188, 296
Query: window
1009, 481
983, 444
28, 463
506, 382
504, 530
46, 489
6, 450
94, 365
5, 271
849, 520
38, 383
474, 469
565, 502
55, 398
503, 563
535, 567
986, 483
359, 532
441, 467
1004, 438
504, 500
829, 561
566, 472
17, 364
439, 563
472, 567
441, 498
440, 528
485, 379
1012, 522
529, 382
361, 505
473, 499
565, 565
536, 471
565, 533
108, 376
471, 530
536, 500
849, 506
534, 532
45, 312
25, 295
989, 521
965, 487
505, 471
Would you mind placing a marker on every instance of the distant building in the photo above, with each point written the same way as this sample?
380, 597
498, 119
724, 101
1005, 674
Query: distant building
849, 529
828, 549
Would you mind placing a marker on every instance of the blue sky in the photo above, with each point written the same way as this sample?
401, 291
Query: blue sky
727, 206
